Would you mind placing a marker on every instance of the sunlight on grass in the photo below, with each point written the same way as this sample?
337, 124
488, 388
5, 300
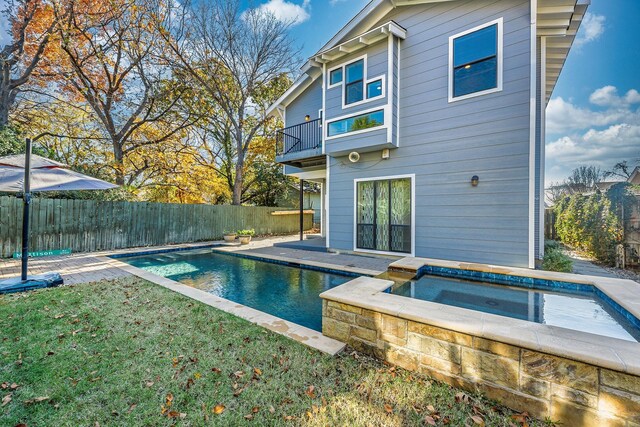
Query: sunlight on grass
132, 353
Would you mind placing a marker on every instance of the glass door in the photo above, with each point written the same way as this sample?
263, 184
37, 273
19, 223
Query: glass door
383, 215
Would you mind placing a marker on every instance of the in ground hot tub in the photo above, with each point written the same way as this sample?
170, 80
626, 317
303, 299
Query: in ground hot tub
556, 345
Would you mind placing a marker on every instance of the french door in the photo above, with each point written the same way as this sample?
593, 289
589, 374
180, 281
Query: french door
383, 216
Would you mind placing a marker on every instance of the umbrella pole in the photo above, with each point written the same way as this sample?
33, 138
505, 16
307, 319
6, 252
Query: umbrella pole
26, 202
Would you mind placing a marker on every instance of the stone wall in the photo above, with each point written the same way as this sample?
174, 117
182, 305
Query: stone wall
574, 393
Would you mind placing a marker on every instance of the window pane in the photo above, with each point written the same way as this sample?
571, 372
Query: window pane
364, 121
365, 215
382, 215
477, 45
353, 93
355, 71
475, 77
374, 89
335, 76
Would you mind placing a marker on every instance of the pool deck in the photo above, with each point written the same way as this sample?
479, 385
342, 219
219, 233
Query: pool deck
97, 266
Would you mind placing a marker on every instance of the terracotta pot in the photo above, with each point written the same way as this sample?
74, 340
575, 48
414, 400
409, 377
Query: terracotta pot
229, 238
244, 240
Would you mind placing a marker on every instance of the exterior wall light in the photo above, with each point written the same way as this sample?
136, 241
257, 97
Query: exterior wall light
475, 180
307, 118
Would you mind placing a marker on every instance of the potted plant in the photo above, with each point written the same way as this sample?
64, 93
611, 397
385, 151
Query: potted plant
229, 236
245, 235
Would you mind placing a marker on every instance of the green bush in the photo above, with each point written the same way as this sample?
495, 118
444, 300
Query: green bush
550, 245
556, 260
247, 232
592, 223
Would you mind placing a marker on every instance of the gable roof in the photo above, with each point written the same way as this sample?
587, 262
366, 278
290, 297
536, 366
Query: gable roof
559, 20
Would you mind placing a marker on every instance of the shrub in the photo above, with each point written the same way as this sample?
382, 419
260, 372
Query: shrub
247, 232
556, 260
592, 223
550, 245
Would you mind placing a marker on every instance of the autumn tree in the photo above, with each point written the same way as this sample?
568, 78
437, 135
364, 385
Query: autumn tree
234, 56
30, 24
111, 64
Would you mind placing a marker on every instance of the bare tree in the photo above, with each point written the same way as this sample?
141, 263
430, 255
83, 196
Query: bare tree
620, 170
234, 56
555, 192
22, 54
584, 178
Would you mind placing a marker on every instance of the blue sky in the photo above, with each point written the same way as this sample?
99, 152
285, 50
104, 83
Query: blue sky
594, 115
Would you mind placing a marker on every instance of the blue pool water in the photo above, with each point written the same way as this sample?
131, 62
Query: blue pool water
582, 311
287, 292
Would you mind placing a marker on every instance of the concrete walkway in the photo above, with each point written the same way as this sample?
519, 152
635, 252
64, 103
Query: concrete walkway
586, 267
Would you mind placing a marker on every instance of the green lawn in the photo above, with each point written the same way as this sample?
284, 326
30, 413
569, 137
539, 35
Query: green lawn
132, 353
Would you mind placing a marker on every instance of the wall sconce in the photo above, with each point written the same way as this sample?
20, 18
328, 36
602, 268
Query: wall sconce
307, 118
475, 180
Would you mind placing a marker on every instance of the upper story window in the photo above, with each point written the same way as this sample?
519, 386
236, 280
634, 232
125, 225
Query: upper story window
475, 61
354, 82
357, 88
335, 77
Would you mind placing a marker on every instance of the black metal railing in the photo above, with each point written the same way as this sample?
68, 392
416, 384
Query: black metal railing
300, 137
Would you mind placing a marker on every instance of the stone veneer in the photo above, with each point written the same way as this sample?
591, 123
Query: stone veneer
591, 391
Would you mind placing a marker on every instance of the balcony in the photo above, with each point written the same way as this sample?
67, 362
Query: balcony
300, 145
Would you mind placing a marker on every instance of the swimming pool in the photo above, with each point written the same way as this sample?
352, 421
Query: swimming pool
577, 309
290, 293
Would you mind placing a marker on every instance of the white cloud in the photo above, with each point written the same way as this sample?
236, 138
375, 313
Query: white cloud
608, 96
287, 11
601, 135
563, 116
591, 29
602, 148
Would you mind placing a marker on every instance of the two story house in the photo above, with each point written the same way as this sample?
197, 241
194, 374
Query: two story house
424, 122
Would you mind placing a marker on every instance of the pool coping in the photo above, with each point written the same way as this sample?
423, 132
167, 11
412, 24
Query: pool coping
275, 324
607, 352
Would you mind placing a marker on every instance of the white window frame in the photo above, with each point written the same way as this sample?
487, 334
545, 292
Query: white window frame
331, 86
365, 81
385, 125
413, 214
500, 24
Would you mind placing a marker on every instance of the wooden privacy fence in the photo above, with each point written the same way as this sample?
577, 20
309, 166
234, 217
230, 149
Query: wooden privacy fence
550, 224
89, 225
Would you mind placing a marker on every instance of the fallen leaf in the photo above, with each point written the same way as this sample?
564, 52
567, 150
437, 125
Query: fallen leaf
6, 399
431, 409
149, 383
257, 371
218, 409
216, 370
132, 407
429, 420
477, 419
58, 316
272, 409
36, 400
248, 417
311, 391
14, 386
388, 408
255, 409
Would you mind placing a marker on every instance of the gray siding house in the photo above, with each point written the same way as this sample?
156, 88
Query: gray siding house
424, 122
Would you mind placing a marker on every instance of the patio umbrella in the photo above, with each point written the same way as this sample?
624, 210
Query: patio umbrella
30, 173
